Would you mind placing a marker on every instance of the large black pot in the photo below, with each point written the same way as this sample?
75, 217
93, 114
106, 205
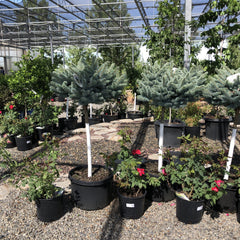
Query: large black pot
70, 123
109, 118
172, 132
24, 143
94, 120
217, 129
228, 202
193, 131
189, 212
49, 210
91, 195
131, 207
162, 193
42, 132
134, 114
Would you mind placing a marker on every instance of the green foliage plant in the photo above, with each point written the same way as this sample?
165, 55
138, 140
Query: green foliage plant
170, 87
191, 114
37, 176
224, 14
24, 127
168, 42
30, 82
8, 118
45, 114
220, 91
192, 173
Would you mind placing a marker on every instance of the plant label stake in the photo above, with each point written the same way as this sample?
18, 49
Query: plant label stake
135, 102
89, 150
160, 144
67, 107
230, 154
90, 110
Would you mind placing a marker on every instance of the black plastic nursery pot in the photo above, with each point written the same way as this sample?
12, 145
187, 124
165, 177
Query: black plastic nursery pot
193, 131
109, 118
134, 114
172, 132
217, 129
49, 210
228, 202
189, 212
70, 123
131, 207
42, 132
24, 143
94, 120
91, 195
162, 193
11, 142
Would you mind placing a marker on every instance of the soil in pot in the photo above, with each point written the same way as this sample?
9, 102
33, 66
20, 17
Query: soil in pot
189, 212
91, 193
131, 206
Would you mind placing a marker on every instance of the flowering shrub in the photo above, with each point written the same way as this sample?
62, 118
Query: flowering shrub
129, 176
24, 127
8, 119
197, 181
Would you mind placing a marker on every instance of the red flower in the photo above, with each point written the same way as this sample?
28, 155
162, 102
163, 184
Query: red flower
25, 117
52, 99
164, 172
11, 107
0, 112
106, 113
219, 182
140, 171
136, 152
215, 189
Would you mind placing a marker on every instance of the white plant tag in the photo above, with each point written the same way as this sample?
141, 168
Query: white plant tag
200, 208
28, 142
130, 205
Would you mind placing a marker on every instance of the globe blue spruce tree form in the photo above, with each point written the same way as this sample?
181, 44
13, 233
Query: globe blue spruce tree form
90, 83
170, 87
223, 89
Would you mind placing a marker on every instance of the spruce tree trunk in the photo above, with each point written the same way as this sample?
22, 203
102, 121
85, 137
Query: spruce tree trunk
237, 116
85, 111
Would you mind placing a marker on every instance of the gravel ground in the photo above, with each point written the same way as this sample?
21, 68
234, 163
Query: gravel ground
18, 216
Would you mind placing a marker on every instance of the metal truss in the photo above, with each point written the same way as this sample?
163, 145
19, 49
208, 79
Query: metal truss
72, 22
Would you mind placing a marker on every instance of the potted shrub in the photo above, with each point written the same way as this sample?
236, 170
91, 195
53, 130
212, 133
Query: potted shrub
110, 112
169, 87
122, 106
37, 178
45, 116
91, 83
222, 90
130, 178
70, 122
191, 114
23, 131
198, 183
163, 191
7, 125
